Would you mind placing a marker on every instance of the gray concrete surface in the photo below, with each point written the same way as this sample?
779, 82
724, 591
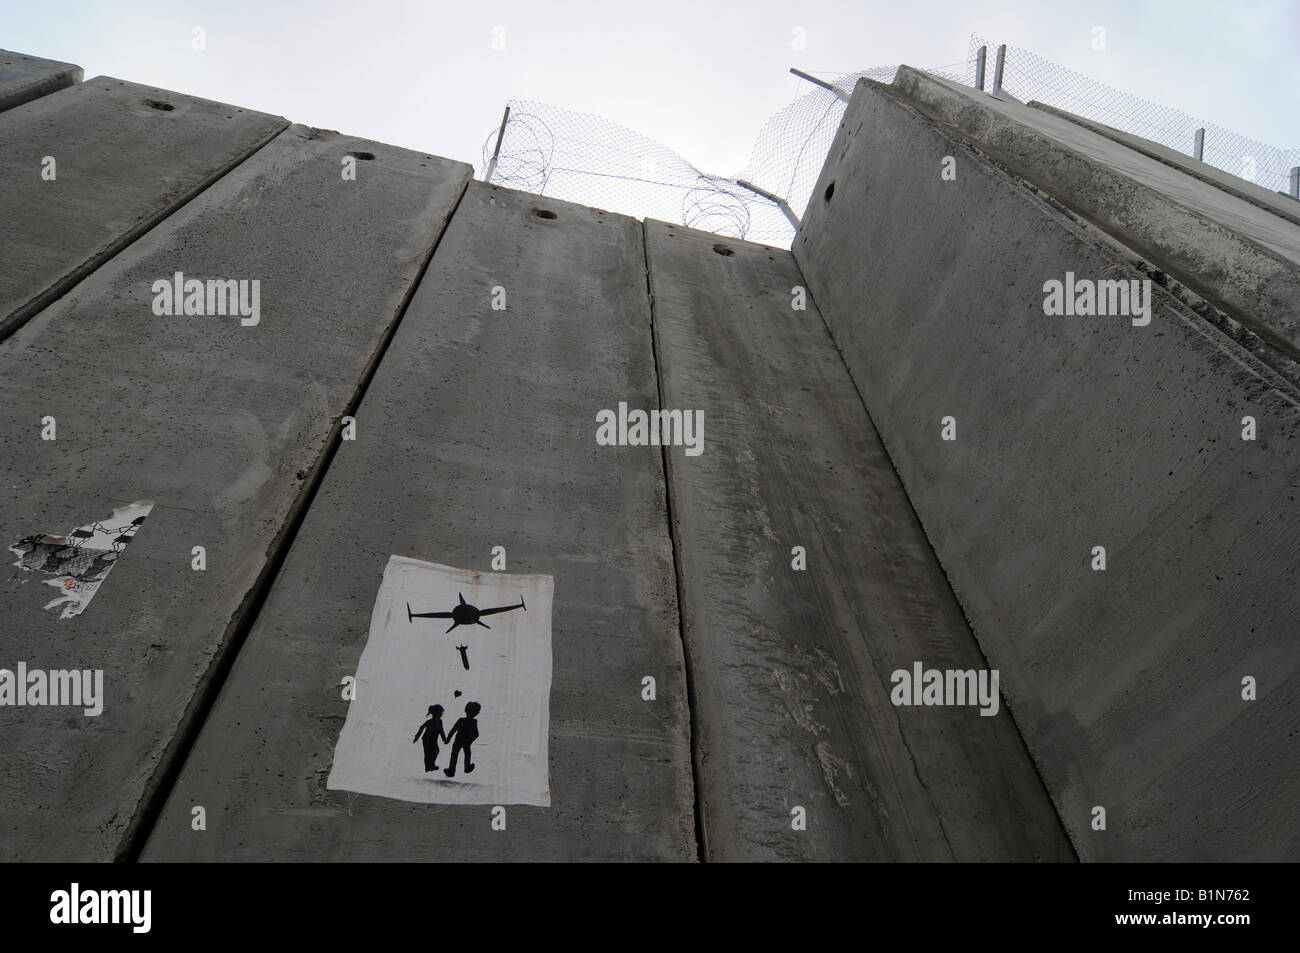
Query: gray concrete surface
121, 166
478, 430
24, 78
791, 670
1267, 199
1074, 432
1238, 256
220, 424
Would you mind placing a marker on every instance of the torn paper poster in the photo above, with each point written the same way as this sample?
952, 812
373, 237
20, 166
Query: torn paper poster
81, 561
452, 695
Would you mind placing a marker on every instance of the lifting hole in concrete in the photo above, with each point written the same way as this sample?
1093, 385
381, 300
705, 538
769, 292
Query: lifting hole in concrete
362, 155
544, 213
830, 190
159, 104
722, 249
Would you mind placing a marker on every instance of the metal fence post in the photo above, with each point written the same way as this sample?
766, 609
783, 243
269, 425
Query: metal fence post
776, 200
492, 166
997, 69
819, 82
1295, 182
980, 56
1198, 145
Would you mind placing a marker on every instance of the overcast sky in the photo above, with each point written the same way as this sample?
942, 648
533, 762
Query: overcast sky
699, 76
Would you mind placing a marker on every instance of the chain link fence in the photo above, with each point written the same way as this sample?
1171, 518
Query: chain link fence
594, 161
587, 159
1028, 78
791, 147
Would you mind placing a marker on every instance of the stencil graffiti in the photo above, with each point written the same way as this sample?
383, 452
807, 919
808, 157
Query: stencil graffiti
463, 614
463, 734
499, 745
82, 560
432, 731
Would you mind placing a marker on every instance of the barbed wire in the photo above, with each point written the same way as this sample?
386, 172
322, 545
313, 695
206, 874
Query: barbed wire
594, 161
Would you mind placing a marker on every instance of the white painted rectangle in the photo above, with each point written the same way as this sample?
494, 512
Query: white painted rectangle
411, 663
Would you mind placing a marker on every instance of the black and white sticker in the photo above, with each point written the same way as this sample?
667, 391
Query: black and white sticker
81, 561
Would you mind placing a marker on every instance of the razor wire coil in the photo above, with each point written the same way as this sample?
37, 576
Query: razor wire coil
595, 161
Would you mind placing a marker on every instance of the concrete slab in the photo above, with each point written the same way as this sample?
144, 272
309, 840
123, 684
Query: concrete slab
24, 78
219, 424
791, 669
1072, 433
1267, 199
477, 431
1238, 256
124, 157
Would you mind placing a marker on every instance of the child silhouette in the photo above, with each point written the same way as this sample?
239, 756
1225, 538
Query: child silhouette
461, 736
432, 731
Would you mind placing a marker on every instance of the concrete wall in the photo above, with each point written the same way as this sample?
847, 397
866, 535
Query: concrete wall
222, 425
1071, 433
94, 167
791, 668
24, 78
1243, 258
1267, 199
478, 430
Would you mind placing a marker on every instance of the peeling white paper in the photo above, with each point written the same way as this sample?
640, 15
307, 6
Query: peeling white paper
82, 560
